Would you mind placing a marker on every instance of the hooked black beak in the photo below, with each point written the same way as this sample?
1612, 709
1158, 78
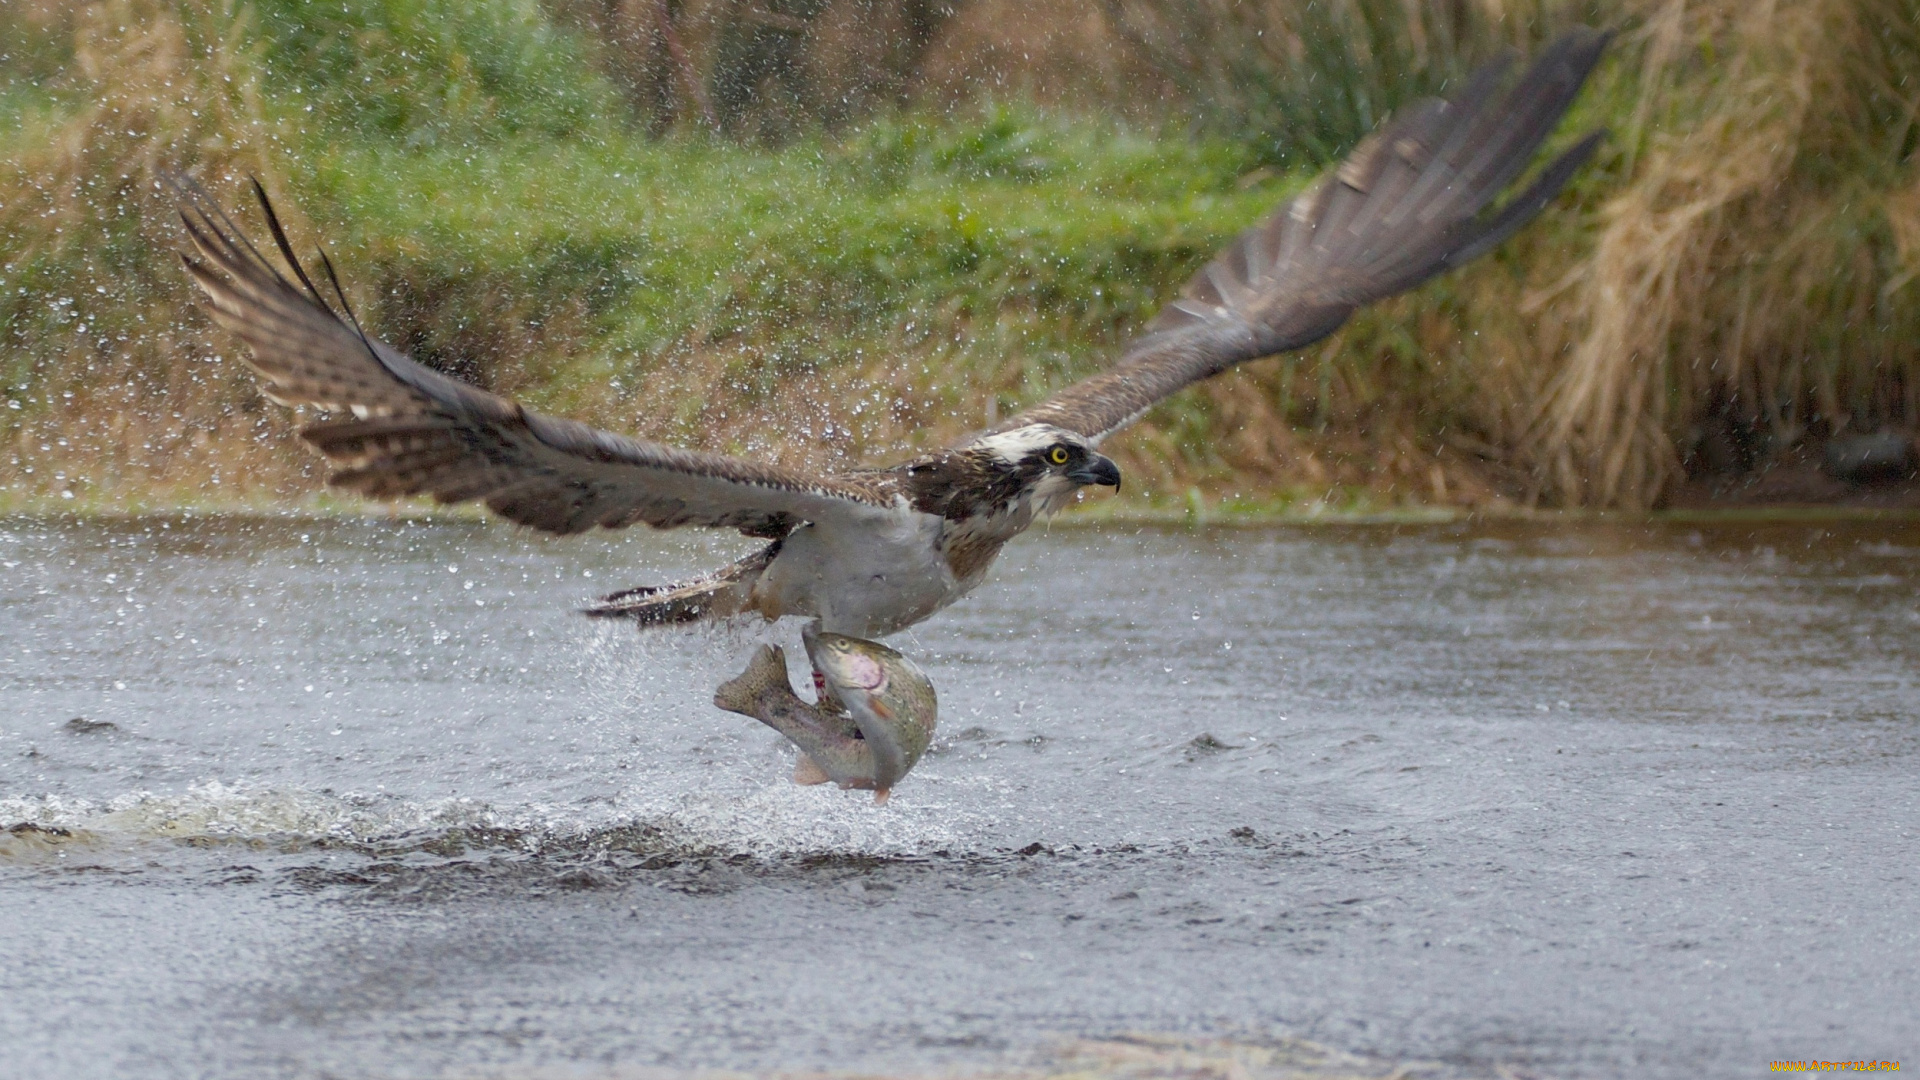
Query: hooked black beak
1097, 469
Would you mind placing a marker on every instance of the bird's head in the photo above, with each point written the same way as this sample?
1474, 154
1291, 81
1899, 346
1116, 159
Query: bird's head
1046, 464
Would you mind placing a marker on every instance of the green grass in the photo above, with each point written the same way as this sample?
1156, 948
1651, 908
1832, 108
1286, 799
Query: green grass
433, 72
495, 214
498, 211
813, 255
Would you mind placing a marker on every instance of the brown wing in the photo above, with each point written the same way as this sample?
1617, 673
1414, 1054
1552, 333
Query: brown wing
1405, 205
409, 430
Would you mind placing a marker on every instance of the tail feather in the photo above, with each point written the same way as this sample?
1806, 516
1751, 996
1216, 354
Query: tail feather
725, 592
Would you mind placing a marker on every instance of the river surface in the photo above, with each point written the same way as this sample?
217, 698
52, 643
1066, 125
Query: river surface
1573, 800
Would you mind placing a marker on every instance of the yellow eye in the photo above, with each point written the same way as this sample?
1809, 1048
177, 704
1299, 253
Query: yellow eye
1058, 455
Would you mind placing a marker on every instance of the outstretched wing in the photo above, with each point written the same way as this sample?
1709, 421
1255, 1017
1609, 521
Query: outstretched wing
1404, 206
406, 429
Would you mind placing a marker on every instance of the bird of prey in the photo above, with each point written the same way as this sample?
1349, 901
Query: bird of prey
869, 552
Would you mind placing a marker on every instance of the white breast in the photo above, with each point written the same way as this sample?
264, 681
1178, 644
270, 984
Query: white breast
865, 580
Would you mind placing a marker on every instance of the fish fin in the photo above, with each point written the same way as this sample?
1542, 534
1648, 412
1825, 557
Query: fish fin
881, 795
808, 772
742, 693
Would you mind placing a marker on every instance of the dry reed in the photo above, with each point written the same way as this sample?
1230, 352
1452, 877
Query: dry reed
1754, 262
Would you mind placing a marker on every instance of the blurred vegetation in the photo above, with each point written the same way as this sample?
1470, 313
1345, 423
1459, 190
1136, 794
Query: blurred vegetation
831, 230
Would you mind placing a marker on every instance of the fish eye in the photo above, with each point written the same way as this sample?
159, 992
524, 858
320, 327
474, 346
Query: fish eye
1058, 455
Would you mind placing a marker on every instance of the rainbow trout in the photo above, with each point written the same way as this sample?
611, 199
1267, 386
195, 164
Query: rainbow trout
874, 719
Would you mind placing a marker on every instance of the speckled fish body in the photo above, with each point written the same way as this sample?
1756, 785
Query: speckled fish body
889, 697
874, 720
829, 740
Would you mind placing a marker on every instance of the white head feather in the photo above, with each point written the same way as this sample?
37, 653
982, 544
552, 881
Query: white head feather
1021, 443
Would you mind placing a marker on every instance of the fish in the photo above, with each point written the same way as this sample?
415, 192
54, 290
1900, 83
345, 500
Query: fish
874, 720
892, 701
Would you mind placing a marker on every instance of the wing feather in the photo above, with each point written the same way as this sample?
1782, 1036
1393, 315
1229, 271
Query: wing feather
404, 429
1408, 203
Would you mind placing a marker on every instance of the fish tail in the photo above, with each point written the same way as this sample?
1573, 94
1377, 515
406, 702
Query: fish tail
830, 744
766, 673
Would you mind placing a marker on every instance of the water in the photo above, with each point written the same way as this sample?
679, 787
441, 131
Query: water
1574, 800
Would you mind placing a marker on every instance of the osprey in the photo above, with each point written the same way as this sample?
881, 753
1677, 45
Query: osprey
871, 551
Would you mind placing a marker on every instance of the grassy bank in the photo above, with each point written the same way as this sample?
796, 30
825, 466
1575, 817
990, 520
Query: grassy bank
1736, 267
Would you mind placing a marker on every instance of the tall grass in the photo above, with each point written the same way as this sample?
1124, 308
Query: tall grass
1741, 255
1305, 81
1757, 261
